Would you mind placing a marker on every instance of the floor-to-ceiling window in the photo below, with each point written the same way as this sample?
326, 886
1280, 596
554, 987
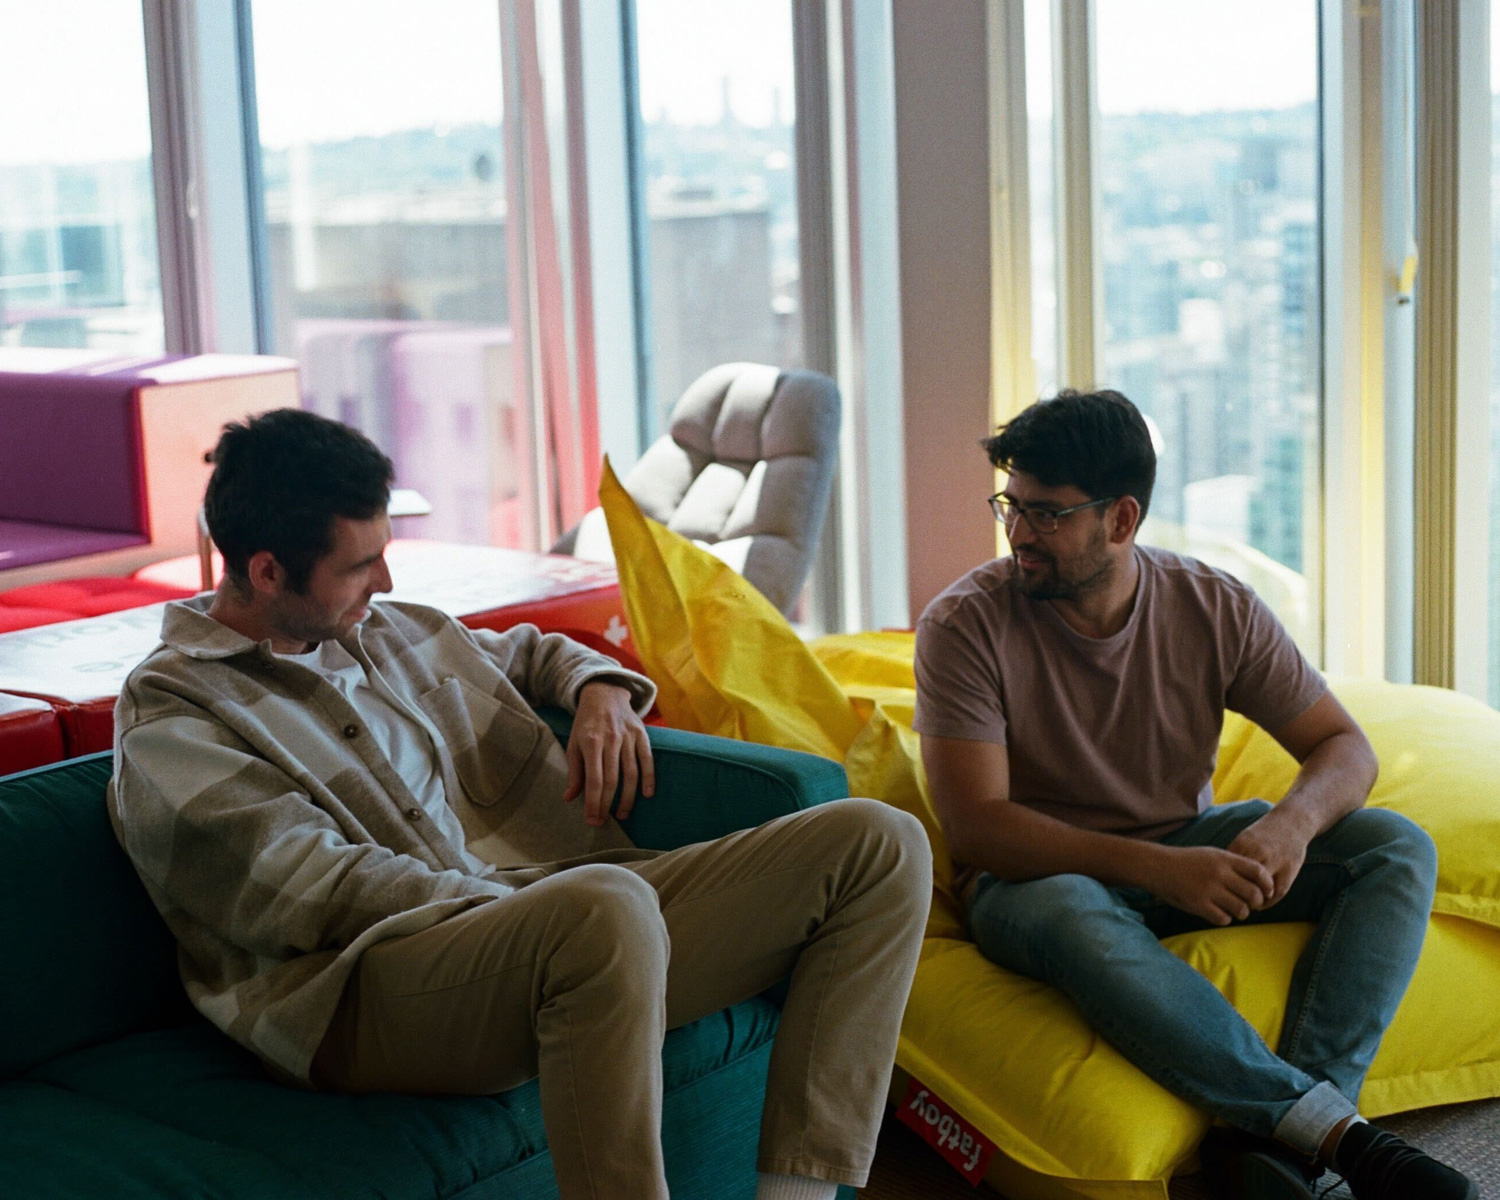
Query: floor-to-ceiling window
718, 114
385, 204
78, 254
1208, 226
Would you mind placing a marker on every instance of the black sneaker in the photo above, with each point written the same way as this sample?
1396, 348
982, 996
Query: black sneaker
1378, 1165
1241, 1166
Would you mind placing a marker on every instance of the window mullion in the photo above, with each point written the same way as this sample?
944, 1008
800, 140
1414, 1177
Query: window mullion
177, 162
870, 367
1450, 492
1079, 293
1010, 212
608, 132
1471, 483
1357, 289
521, 251
812, 87
231, 187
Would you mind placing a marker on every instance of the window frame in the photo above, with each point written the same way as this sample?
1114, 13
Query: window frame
1366, 578
1396, 604
1406, 351
1452, 301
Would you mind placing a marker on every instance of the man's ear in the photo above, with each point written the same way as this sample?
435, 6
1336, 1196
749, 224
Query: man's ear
1124, 519
267, 576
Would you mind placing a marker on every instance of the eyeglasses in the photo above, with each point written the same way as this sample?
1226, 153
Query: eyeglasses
1043, 520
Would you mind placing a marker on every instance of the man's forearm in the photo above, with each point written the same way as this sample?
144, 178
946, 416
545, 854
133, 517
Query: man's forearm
551, 668
1335, 779
1017, 844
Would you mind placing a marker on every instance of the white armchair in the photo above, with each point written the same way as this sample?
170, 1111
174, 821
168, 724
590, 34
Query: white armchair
745, 472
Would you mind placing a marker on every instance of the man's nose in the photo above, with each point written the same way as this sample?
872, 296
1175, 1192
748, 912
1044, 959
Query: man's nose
382, 578
1020, 533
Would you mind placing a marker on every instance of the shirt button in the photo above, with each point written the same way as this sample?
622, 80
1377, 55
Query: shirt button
413, 814
351, 731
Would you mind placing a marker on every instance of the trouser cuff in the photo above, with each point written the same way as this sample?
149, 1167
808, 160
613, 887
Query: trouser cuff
1308, 1122
813, 1170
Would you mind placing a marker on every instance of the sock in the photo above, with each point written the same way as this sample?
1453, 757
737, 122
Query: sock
1352, 1146
794, 1187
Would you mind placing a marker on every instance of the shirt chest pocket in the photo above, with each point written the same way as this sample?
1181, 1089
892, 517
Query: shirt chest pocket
492, 742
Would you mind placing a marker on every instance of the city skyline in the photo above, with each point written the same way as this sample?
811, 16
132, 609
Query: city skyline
1230, 375
438, 64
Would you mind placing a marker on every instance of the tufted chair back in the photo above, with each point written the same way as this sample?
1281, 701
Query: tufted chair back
745, 472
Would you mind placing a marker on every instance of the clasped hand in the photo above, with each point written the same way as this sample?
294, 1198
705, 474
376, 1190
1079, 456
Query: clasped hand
1255, 872
608, 748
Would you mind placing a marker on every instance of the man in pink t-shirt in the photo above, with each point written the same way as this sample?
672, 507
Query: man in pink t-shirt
1070, 699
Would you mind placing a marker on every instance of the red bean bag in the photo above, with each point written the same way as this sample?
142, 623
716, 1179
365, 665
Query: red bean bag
91, 597
28, 618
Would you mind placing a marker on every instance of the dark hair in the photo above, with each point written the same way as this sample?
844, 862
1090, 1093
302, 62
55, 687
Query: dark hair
1095, 441
279, 481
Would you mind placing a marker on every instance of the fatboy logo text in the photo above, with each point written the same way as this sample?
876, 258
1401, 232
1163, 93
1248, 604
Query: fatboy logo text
967, 1150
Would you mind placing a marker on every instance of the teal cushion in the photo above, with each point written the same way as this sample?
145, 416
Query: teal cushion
118, 1097
186, 1112
96, 960
86, 956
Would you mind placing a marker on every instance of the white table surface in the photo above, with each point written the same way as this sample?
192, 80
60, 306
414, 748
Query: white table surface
89, 659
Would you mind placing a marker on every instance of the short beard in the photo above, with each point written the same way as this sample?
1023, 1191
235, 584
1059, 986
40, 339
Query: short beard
1087, 573
298, 619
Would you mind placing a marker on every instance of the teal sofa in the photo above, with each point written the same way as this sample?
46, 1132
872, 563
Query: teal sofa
111, 1086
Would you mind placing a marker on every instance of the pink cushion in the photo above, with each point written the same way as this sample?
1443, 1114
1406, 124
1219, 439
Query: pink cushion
30, 543
71, 453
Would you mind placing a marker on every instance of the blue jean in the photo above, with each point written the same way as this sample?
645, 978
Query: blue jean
1367, 884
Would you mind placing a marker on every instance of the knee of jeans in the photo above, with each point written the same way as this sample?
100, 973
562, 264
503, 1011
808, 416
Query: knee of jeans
1398, 839
1066, 909
1038, 927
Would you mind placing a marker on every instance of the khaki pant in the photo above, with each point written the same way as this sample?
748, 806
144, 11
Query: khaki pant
578, 976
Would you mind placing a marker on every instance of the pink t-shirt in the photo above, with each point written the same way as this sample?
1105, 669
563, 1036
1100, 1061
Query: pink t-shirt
1117, 734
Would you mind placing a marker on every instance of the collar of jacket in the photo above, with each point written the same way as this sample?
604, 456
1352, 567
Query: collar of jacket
187, 628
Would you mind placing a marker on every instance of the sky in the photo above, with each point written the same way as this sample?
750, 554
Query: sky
73, 72
72, 81
330, 69
1187, 56
688, 47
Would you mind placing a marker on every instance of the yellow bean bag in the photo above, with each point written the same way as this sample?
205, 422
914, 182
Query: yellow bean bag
1070, 1117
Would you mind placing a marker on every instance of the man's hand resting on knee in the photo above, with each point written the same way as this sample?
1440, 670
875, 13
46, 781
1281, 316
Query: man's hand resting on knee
1338, 768
1278, 843
608, 748
1218, 885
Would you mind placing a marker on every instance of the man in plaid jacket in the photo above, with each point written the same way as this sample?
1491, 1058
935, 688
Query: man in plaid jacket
384, 873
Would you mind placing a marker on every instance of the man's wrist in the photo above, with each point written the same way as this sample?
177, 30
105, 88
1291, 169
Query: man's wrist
1291, 819
614, 684
1140, 863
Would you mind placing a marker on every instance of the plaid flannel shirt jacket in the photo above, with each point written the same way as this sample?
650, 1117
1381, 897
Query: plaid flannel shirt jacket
278, 842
